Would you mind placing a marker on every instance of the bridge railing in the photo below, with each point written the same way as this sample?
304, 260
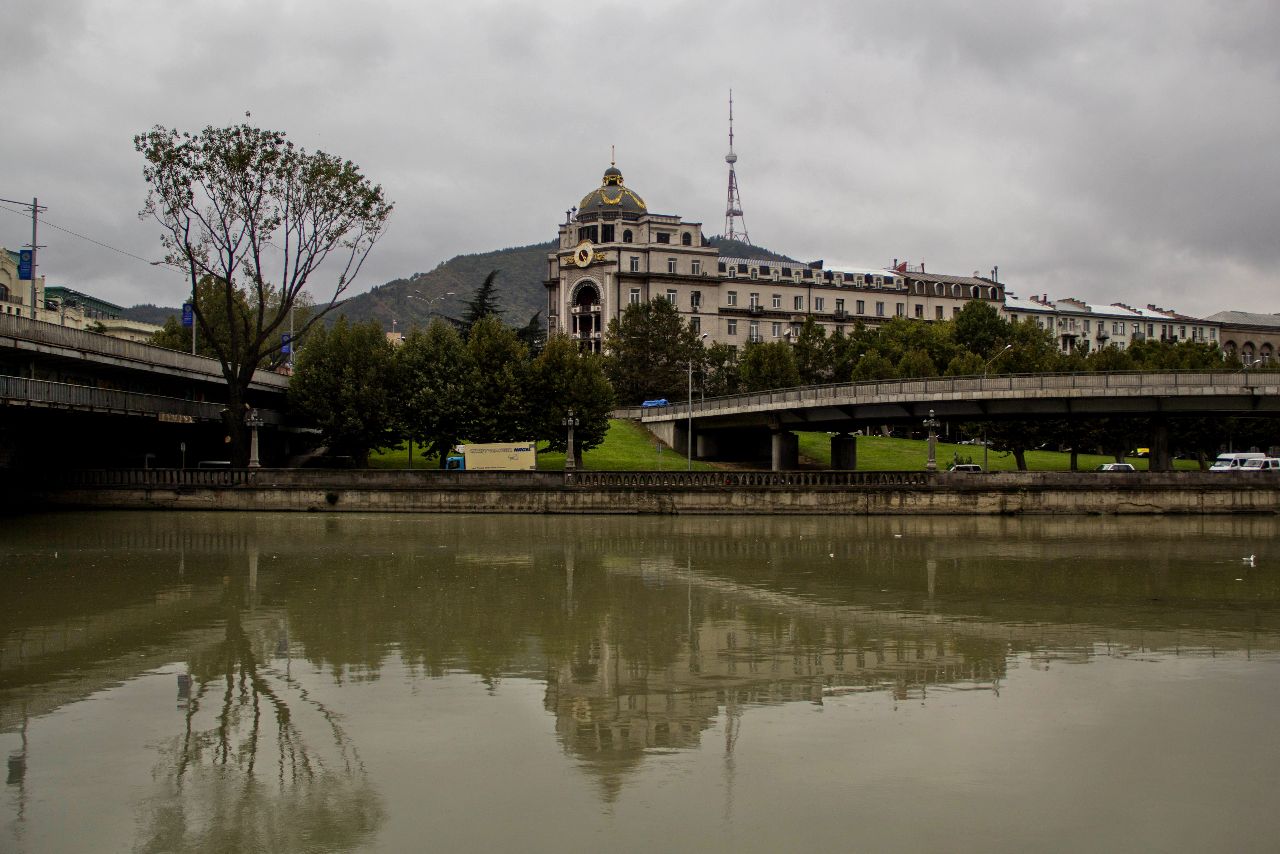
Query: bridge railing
1241, 381
22, 391
745, 479
83, 341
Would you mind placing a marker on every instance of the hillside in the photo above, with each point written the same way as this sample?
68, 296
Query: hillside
411, 301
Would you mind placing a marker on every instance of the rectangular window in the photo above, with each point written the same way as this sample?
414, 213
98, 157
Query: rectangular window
731, 326
663, 237
731, 298
879, 309
695, 324
900, 309
1213, 333
955, 310
861, 306
635, 263
777, 330
671, 296
819, 304
839, 305
697, 267
937, 313
755, 300
919, 311
634, 296
777, 300
695, 299
754, 334
1151, 330
671, 265
606, 234
797, 304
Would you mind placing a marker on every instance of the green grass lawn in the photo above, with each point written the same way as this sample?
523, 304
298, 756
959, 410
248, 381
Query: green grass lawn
629, 447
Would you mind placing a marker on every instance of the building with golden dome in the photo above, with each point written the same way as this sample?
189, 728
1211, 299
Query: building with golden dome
612, 252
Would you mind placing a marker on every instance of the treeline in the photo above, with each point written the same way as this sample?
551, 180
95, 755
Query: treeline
444, 385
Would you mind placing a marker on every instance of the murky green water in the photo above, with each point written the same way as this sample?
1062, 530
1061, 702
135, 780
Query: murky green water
173, 682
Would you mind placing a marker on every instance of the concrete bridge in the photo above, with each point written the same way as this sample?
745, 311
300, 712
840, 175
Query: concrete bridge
123, 402
764, 422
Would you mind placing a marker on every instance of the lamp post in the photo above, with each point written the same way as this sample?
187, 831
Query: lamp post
985, 367
688, 442
569, 421
931, 424
430, 300
253, 421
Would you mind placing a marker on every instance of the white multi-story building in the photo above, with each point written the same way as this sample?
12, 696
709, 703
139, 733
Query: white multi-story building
1080, 326
613, 252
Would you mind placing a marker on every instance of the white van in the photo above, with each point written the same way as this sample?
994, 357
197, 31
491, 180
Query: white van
1264, 464
1234, 462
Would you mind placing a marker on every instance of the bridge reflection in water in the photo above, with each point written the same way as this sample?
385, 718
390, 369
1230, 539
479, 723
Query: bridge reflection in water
648, 633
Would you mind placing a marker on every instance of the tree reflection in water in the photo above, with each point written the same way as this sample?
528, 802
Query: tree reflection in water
212, 792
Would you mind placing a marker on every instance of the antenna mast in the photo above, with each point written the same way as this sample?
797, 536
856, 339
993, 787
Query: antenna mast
735, 226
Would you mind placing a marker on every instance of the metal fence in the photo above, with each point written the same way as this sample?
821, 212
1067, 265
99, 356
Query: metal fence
1212, 382
18, 390
93, 344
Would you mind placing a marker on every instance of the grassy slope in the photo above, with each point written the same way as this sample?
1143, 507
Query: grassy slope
629, 447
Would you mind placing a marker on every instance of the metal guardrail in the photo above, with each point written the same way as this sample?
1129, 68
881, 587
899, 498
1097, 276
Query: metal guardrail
94, 344
24, 392
746, 479
1222, 382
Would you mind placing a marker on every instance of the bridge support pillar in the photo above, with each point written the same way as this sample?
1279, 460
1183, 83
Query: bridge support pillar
844, 452
786, 451
1161, 458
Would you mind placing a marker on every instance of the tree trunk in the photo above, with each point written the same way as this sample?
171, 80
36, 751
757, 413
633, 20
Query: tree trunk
233, 422
1075, 457
1020, 457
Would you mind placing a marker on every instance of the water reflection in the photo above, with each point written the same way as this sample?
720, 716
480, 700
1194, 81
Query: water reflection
648, 633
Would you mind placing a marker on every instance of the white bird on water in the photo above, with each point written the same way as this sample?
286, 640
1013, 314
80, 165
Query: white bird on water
1249, 560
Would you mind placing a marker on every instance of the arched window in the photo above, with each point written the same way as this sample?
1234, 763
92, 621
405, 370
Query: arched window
937, 289
686, 239
626, 236
974, 292
4, 293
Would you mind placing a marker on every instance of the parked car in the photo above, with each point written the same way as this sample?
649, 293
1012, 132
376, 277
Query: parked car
965, 467
1264, 464
1236, 461
649, 404
1115, 467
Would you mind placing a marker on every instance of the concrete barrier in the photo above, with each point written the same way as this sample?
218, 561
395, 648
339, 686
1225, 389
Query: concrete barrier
724, 492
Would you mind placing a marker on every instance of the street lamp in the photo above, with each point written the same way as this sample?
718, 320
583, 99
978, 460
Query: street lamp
569, 422
931, 424
688, 443
1006, 349
253, 420
430, 300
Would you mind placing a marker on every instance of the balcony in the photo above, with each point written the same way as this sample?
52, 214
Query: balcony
755, 310
585, 309
840, 314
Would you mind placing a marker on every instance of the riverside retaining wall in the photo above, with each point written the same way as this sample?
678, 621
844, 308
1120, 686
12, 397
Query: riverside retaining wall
795, 493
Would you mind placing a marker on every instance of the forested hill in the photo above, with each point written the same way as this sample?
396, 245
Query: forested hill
519, 288
411, 301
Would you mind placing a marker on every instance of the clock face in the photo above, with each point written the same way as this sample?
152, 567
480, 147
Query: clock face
583, 254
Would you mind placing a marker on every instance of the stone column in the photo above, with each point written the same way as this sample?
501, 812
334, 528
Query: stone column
786, 451
844, 452
1160, 458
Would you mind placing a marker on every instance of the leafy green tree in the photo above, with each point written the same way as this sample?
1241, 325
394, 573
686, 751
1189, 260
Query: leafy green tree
916, 364
344, 381
498, 384
965, 364
1109, 359
566, 378
813, 354
768, 366
263, 218
873, 366
211, 297
719, 372
979, 328
532, 334
649, 349
483, 304
434, 403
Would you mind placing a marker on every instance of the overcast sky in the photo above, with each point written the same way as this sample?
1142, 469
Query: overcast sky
1113, 151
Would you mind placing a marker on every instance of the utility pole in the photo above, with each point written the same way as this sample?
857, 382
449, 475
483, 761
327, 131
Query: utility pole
34, 245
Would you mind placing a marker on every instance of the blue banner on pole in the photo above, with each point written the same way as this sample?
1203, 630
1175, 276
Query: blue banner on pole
188, 317
24, 265
286, 343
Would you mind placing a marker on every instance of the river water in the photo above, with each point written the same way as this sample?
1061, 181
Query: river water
238, 682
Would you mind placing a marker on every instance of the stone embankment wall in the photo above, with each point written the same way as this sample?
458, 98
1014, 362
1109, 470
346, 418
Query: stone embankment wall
797, 493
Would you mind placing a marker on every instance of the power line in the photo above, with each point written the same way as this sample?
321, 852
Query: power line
124, 252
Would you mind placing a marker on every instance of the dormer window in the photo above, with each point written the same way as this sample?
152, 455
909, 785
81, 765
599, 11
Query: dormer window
686, 239
663, 237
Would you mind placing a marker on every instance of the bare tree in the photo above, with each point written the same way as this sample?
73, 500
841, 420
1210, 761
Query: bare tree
262, 217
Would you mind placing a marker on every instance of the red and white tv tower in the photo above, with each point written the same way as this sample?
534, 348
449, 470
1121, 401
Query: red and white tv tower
735, 226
